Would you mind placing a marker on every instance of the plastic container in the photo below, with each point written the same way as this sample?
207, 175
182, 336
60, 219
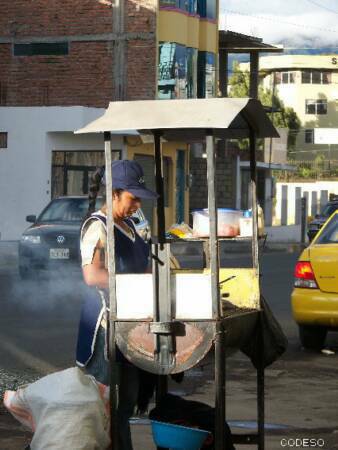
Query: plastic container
245, 226
176, 437
261, 227
228, 222
245, 222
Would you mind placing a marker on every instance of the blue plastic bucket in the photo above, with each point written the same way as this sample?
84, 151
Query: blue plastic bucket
176, 437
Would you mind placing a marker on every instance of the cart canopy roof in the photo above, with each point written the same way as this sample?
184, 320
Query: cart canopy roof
186, 119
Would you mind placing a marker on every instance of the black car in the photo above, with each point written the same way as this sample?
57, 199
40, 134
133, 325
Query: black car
52, 243
321, 218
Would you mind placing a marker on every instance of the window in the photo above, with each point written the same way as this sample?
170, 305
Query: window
315, 77
168, 3
309, 136
326, 77
41, 48
3, 93
207, 9
3, 139
148, 164
177, 71
193, 6
206, 75
65, 210
316, 106
184, 5
306, 77
192, 72
71, 171
278, 77
285, 77
330, 233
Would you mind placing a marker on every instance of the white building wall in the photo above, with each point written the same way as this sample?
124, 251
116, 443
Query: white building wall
25, 166
330, 186
295, 94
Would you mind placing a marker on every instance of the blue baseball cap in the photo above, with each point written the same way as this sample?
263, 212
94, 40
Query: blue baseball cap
128, 175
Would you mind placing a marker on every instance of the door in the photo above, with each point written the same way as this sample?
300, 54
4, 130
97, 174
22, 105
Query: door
148, 165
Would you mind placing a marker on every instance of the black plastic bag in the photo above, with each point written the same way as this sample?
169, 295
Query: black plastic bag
176, 410
267, 338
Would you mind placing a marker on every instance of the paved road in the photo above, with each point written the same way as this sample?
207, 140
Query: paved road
39, 319
38, 326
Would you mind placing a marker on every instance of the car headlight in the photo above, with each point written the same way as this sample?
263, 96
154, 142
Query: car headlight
31, 239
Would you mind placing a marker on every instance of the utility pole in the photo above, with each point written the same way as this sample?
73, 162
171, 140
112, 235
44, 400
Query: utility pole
254, 67
119, 51
273, 93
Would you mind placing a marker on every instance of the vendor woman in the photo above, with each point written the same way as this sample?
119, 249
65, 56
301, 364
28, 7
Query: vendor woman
131, 256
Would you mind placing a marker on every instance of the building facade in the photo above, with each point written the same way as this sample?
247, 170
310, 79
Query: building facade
67, 60
188, 48
308, 84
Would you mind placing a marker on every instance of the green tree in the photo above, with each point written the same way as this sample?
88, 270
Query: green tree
282, 117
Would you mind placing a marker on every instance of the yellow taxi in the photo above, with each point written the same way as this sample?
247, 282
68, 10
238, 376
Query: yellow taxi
315, 295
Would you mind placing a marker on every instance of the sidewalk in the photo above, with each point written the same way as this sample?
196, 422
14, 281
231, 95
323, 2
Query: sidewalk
296, 406
14, 437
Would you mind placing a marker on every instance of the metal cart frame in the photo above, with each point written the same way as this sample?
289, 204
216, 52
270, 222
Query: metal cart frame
245, 123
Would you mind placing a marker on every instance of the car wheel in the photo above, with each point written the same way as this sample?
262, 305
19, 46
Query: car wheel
312, 337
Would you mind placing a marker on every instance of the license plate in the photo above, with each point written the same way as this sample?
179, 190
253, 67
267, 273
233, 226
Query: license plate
59, 253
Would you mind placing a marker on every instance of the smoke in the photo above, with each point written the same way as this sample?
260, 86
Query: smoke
39, 321
299, 24
55, 292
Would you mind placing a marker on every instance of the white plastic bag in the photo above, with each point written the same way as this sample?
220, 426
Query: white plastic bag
65, 410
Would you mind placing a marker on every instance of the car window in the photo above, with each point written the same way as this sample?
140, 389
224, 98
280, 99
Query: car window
330, 232
65, 210
329, 209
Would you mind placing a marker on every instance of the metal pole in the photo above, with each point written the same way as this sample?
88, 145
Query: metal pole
303, 219
220, 393
112, 294
253, 185
161, 347
159, 187
216, 305
273, 94
223, 72
260, 388
255, 262
329, 160
213, 242
254, 67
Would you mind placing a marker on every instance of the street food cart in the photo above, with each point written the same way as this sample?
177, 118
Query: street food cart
175, 317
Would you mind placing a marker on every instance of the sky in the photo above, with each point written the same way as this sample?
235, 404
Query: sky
293, 23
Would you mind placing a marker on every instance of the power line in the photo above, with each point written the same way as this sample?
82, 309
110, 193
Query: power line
271, 19
323, 47
322, 6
